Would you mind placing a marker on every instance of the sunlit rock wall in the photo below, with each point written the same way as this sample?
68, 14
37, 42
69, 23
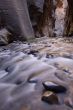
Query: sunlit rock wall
60, 13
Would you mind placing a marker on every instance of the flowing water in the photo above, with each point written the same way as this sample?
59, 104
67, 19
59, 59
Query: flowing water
25, 65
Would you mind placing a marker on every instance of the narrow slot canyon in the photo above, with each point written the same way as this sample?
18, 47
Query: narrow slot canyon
36, 55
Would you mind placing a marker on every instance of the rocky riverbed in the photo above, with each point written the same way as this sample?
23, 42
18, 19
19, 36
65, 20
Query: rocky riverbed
24, 66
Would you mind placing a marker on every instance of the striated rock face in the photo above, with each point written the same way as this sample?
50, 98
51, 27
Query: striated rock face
49, 20
14, 15
69, 19
37, 17
45, 17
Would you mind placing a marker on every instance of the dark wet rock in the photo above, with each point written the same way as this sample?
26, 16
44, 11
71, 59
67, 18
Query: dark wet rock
50, 98
53, 87
33, 52
19, 82
70, 56
32, 81
49, 56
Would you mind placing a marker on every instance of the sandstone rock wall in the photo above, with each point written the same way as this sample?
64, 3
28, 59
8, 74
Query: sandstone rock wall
15, 15
60, 13
69, 19
37, 18
51, 21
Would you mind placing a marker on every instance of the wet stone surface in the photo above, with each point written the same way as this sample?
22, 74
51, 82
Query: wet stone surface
54, 87
50, 98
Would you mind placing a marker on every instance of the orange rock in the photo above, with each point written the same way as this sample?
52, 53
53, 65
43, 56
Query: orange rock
50, 98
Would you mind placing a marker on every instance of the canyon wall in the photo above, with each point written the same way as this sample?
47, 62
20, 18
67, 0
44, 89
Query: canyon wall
15, 16
51, 20
60, 13
69, 19
37, 18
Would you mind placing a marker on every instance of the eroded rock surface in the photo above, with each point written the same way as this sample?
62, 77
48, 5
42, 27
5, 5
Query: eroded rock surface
5, 37
60, 13
14, 15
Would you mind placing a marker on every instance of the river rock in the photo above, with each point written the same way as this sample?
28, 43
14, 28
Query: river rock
33, 52
50, 98
53, 87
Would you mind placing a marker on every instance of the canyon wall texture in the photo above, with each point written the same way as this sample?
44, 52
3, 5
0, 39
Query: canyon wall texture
51, 20
15, 16
60, 13
69, 19
37, 18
